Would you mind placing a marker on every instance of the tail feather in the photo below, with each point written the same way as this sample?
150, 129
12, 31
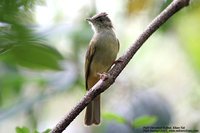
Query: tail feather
88, 114
92, 115
96, 110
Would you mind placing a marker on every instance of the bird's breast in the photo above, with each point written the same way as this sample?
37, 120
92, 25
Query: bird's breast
105, 53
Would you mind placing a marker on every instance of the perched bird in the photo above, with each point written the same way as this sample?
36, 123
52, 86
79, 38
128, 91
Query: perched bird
100, 56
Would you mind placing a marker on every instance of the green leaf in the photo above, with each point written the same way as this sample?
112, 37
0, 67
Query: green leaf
26, 130
22, 130
33, 56
47, 131
112, 116
144, 121
21, 45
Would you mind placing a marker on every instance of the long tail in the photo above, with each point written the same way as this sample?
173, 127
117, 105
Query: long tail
92, 115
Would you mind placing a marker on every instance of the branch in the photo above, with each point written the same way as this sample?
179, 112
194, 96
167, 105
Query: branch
102, 85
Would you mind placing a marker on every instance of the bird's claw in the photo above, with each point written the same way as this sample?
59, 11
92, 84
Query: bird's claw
103, 76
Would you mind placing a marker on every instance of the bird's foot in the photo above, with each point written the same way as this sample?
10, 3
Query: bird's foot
103, 76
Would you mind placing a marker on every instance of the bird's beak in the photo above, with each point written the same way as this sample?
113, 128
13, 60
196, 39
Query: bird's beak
89, 19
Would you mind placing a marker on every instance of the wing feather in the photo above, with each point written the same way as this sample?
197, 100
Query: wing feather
88, 60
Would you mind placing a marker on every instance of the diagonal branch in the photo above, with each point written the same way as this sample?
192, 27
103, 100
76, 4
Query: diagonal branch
102, 85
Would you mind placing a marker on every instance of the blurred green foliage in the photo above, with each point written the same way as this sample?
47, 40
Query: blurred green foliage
80, 37
139, 122
186, 26
22, 130
112, 116
19, 43
11, 82
144, 121
27, 130
188, 31
36, 56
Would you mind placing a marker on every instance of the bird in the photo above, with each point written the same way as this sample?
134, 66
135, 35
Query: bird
100, 56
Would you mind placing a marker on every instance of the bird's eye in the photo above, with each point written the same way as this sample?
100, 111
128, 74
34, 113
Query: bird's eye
99, 19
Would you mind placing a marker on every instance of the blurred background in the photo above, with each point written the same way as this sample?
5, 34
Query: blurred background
42, 49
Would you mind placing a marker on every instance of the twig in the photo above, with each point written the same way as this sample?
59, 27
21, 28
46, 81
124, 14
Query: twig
101, 85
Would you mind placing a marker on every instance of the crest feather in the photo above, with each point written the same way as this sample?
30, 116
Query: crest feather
103, 14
